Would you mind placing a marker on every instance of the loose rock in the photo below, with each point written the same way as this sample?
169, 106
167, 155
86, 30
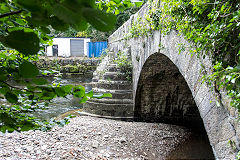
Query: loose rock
94, 138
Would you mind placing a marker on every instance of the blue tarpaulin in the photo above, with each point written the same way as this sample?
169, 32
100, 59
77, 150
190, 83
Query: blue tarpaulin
95, 49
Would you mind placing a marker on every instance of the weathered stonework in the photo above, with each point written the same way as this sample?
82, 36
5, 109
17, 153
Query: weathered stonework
108, 78
164, 80
68, 65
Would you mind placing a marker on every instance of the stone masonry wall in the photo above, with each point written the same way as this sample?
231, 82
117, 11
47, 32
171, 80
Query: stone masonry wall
69, 65
220, 120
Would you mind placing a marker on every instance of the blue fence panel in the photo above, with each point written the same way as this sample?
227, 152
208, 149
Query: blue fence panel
90, 49
95, 49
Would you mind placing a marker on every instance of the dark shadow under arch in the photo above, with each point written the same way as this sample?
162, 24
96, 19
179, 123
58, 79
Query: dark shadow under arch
163, 96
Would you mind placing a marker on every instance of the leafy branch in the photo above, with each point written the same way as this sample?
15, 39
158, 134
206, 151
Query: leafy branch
22, 39
11, 13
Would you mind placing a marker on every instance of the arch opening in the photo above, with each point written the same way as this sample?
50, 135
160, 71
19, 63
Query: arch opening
163, 96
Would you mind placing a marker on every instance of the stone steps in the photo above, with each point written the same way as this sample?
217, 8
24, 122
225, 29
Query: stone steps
116, 94
114, 85
112, 101
105, 109
114, 76
113, 68
95, 79
129, 119
108, 79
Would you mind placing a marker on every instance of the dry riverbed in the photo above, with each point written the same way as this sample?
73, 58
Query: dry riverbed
94, 138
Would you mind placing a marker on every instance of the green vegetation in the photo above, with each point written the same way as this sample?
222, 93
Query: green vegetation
64, 66
139, 28
212, 26
76, 68
96, 35
124, 64
24, 31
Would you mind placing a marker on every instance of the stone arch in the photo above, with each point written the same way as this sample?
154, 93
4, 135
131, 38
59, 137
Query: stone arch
220, 121
217, 121
163, 95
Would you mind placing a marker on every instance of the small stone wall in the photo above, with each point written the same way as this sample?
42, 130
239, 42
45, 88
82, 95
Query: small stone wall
69, 65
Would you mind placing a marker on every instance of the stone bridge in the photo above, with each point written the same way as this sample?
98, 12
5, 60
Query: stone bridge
167, 87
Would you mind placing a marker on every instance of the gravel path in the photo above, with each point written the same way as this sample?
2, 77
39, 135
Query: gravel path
94, 138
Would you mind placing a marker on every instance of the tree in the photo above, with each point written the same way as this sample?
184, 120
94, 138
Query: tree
95, 34
25, 28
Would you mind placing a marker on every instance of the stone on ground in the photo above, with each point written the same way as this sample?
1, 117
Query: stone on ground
94, 138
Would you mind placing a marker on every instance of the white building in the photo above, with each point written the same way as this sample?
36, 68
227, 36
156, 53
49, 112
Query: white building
66, 47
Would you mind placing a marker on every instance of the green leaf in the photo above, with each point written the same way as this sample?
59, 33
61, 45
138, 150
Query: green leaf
81, 25
28, 70
38, 19
66, 14
27, 126
107, 95
48, 95
12, 98
4, 90
84, 99
40, 81
138, 4
89, 94
79, 91
67, 88
31, 5
60, 91
6, 128
58, 24
100, 20
21, 21
117, 12
102, 95
3, 74
25, 42
117, 1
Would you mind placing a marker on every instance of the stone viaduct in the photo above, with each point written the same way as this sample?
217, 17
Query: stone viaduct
167, 87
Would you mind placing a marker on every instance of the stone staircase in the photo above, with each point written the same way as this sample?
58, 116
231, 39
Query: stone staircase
108, 79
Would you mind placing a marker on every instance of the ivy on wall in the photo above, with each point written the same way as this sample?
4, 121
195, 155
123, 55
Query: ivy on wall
212, 26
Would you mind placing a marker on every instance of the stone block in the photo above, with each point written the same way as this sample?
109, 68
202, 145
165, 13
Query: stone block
217, 126
207, 103
223, 151
192, 73
214, 117
235, 122
183, 62
169, 43
165, 49
227, 130
156, 41
200, 94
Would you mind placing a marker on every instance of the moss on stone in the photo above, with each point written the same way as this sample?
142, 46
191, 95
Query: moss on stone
68, 65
